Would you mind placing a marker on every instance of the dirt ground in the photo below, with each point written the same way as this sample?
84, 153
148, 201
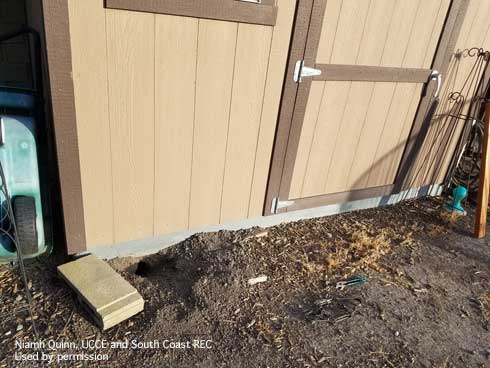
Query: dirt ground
425, 301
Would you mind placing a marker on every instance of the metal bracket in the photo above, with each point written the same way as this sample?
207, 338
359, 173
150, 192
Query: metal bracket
435, 75
277, 204
301, 71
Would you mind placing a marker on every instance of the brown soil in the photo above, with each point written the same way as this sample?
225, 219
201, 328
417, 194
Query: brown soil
425, 303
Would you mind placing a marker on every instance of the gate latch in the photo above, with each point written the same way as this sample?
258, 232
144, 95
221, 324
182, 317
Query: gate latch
301, 71
435, 75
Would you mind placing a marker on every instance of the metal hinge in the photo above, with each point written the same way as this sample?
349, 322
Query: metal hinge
301, 71
277, 204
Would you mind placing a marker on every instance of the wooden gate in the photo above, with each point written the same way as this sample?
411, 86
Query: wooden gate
351, 132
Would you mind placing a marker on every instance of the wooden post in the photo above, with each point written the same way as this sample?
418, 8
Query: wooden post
484, 185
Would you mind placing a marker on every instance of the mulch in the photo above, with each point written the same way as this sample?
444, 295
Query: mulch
424, 298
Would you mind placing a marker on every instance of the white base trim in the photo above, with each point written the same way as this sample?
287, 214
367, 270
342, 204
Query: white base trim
137, 248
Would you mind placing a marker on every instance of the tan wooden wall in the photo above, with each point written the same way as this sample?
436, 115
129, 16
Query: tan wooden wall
354, 133
440, 143
176, 118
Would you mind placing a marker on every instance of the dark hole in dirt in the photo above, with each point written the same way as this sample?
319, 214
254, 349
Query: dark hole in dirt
148, 268
142, 269
174, 277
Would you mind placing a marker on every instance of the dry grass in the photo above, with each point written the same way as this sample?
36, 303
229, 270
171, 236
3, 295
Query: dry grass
436, 231
361, 249
485, 305
451, 217
273, 336
362, 252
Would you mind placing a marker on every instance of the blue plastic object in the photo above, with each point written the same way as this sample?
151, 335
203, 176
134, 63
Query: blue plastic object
459, 193
22, 138
19, 158
17, 100
18, 155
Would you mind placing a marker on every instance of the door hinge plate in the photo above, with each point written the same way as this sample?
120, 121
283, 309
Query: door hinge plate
301, 71
277, 204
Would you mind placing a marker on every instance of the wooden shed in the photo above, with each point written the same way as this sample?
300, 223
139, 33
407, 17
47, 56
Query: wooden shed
173, 115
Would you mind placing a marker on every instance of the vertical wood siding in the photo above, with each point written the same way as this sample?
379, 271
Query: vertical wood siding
174, 82
215, 76
90, 79
176, 118
354, 133
131, 75
244, 123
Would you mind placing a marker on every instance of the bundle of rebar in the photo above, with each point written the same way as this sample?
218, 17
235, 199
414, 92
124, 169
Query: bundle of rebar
459, 112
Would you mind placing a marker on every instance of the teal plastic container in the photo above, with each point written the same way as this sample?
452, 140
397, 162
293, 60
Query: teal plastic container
19, 158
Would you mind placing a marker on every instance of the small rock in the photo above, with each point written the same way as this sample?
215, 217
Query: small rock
19, 298
20, 328
257, 280
397, 333
8, 333
261, 234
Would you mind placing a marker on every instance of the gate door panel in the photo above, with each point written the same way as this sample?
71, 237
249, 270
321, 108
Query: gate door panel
356, 76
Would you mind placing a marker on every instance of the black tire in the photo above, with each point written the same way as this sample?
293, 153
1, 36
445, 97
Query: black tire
25, 218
